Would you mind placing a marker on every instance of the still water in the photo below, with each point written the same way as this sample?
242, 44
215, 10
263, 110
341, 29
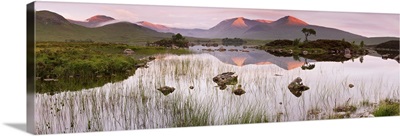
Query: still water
135, 103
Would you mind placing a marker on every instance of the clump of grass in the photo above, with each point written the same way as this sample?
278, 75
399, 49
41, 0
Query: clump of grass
248, 117
366, 103
345, 108
189, 113
387, 108
339, 116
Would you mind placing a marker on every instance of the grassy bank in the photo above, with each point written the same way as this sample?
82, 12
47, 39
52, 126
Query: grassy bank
76, 65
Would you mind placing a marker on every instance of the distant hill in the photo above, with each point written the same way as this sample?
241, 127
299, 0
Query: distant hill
393, 45
163, 28
371, 41
94, 21
157, 27
287, 27
290, 28
51, 26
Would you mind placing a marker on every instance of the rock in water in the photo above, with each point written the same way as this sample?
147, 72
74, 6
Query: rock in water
128, 52
347, 51
152, 58
351, 85
166, 90
239, 91
225, 79
191, 87
141, 65
296, 87
223, 87
305, 52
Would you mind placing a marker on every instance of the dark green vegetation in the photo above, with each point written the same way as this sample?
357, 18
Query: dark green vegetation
62, 66
389, 45
320, 50
388, 108
389, 50
307, 32
233, 41
322, 45
53, 27
177, 40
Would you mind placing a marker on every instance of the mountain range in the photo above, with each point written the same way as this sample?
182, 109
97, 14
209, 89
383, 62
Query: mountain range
51, 26
105, 28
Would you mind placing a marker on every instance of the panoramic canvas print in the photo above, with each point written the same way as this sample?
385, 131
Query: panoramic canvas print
106, 67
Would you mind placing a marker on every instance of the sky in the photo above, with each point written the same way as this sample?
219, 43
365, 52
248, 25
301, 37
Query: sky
365, 24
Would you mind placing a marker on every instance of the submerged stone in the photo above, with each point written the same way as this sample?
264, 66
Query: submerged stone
166, 90
296, 87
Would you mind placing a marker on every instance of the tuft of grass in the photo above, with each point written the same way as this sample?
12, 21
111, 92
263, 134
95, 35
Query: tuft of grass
366, 103
248, 117
346, 108
387, 108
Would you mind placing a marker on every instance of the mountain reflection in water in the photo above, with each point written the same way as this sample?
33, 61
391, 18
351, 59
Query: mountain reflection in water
253, 56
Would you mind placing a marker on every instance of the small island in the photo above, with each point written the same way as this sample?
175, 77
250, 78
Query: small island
320, 49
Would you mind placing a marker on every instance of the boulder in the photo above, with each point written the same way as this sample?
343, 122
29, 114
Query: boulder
166, 90
221, 49
233, 50
225, 79
305, 52
347, 56
128, 51
152, 58
296, 87
347, 51
291, 51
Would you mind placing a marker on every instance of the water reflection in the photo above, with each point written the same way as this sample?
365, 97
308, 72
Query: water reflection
135, 103
235, 56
